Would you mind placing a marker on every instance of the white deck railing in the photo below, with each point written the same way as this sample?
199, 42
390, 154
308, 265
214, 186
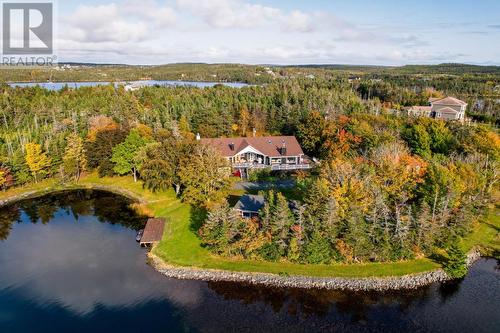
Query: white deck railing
302, 166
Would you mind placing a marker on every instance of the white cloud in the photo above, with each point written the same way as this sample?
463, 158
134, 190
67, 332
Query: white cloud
131, 21
298, 21
160, 15
100, 24
229, 13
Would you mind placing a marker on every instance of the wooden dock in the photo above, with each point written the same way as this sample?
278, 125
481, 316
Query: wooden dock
153, 232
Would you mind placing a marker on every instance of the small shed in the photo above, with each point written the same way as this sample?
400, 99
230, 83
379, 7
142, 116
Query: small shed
153, 232
250, 205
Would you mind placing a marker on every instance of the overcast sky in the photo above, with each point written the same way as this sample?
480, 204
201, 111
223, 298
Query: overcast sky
383, 32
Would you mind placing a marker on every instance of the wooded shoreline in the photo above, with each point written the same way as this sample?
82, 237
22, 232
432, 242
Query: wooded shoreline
134, 191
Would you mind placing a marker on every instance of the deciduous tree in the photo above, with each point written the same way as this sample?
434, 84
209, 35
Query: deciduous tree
74, 160
38, 162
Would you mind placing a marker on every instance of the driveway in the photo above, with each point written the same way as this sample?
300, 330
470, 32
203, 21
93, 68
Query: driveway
257, 186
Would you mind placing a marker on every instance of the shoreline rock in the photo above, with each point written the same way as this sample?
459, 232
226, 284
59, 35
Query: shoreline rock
412, 281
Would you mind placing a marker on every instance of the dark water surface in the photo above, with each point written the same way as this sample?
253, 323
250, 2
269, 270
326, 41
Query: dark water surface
70, 263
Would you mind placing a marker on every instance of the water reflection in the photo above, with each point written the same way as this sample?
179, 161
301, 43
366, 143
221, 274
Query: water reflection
76, 262
308, 303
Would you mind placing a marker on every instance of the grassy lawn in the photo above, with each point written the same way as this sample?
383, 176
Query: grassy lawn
486, 233
181, 245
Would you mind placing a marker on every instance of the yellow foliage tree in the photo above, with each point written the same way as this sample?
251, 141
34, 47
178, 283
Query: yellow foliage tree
74, 158
37, 160
3, 178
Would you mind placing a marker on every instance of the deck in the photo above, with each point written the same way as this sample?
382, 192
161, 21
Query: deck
153, 232
274, 167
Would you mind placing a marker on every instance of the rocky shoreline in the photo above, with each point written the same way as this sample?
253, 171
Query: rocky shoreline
304, 282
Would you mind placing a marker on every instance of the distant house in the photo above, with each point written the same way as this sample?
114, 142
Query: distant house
273, 152
249, 205
448, 108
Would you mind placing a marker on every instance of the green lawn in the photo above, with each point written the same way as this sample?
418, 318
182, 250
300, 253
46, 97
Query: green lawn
181, 245
486, 233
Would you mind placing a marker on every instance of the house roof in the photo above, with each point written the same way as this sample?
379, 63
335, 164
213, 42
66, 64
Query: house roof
267, 145
447, 110
250, 203
449, 101
420, 108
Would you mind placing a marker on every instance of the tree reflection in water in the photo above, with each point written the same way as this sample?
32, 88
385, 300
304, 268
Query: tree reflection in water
111, 209
320, 303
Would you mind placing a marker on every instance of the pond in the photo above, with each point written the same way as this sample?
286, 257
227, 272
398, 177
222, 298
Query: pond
70, 262
146, 83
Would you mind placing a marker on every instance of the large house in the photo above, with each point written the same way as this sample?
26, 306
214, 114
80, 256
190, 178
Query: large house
448, 108
273, 152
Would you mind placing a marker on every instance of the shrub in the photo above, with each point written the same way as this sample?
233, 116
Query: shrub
260, 175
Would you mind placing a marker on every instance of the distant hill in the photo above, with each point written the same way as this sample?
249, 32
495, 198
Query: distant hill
447, 68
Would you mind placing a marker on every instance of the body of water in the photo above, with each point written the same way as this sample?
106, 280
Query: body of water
69, 263
149, 83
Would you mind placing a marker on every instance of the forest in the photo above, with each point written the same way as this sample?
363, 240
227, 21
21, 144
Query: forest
386, 187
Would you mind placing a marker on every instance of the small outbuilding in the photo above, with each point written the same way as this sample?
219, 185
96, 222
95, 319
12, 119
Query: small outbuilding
250, 205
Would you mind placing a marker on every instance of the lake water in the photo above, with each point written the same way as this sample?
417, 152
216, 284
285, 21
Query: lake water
149, 83
70, 263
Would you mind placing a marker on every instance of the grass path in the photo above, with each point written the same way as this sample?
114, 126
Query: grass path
181, 245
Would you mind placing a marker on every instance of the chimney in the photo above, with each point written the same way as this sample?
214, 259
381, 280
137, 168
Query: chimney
254, 132
231, 146
198, 137
283, 149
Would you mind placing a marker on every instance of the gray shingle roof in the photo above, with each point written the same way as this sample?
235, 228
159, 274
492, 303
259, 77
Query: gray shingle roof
250, 203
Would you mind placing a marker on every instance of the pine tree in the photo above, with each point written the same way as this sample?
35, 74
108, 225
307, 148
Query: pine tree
281, 221
317, 249
456, 266
216, 230
294, 250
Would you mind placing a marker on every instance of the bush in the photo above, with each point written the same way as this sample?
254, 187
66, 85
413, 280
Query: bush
270, 252
456, 266
260, 175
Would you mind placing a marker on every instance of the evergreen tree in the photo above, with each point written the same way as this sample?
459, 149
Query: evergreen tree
215, 231
456, 266
317, 250
281, 221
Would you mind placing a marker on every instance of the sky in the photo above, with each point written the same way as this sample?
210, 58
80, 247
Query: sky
365, 32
